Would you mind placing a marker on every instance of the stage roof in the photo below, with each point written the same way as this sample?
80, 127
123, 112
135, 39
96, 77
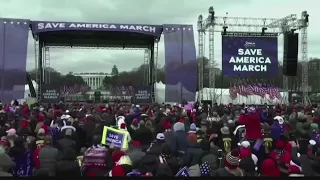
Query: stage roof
79, 34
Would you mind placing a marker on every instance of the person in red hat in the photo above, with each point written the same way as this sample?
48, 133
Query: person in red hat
269, 167
280, 154
252, 121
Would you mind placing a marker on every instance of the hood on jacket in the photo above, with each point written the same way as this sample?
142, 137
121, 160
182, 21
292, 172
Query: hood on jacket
178, 127
68, 127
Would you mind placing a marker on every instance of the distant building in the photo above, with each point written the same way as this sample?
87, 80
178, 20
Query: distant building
93, 80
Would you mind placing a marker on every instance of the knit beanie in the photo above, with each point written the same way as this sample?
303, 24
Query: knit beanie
245, 152
232, 159
314, 127
193, 128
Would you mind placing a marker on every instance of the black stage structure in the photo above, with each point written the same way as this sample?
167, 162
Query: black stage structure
180, 54
93, 35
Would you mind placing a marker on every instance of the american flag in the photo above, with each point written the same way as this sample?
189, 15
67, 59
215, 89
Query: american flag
84, 88
260, 89
242, 88
233, 92
249, 88
74, 89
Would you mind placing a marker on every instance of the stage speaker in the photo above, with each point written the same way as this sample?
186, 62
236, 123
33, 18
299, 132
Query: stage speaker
290, 54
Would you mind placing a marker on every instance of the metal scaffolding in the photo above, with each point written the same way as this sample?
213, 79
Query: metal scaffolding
242, 24
46, 65
36, 58
145, 67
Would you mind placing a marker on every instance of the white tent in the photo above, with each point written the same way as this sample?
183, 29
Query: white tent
160, 90
221, 95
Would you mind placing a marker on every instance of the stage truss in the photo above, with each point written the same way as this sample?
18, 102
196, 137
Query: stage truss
213, 24
149, 53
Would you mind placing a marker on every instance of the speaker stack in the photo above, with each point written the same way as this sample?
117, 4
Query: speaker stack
290, 54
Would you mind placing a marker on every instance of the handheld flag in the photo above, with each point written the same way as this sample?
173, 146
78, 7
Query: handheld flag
183, 172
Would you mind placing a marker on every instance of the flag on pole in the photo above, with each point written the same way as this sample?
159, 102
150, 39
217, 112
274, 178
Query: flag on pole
233, 91
184, 172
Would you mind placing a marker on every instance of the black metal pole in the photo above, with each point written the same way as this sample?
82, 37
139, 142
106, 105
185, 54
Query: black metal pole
151, 70
181, 63
3, 61
40, 70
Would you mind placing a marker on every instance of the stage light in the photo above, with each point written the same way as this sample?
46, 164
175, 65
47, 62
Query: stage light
306, 18
264, 31
200, 19
293, 30
211, 13
225, 30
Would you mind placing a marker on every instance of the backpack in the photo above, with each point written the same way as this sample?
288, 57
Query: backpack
36, 160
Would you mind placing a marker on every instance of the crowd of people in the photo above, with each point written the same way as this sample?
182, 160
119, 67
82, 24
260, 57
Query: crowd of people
163, 140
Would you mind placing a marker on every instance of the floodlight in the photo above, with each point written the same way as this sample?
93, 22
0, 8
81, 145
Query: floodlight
225, 30
211, 10
200, 18
263, 30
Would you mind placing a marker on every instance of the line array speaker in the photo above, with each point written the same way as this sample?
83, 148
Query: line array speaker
290, 54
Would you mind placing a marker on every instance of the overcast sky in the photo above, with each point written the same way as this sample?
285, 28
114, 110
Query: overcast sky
146, 12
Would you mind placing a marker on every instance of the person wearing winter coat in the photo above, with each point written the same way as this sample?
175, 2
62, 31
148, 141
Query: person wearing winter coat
49, 156
22, 158
181, 137
163, 170
167, 156
6, 164
155, 146
193, 150
231, 168
135, 152
206, 156
67, 141
68, 165
269, 167
143, 134
248, 166
252, 124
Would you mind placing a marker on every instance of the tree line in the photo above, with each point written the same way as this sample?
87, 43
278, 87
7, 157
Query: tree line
136, 76
58, 79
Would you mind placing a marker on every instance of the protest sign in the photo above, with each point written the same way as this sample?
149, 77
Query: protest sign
188, 107
115, 137
143, 95
249, 54
50, 94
